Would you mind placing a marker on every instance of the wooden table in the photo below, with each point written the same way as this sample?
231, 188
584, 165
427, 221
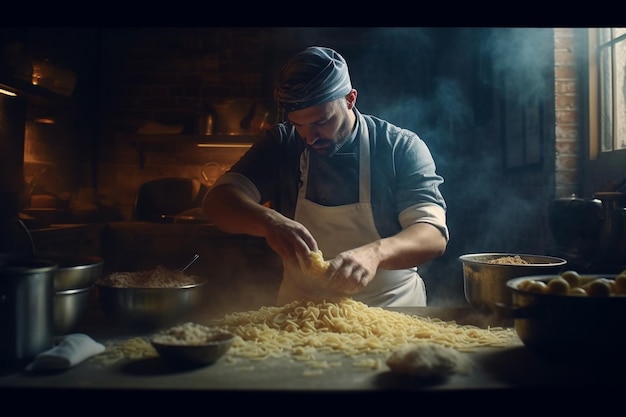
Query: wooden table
512, 374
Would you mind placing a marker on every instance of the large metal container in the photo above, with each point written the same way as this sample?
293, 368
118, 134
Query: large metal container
26, 310
569, 327
485, 282
150, 308
75, 271
70, 308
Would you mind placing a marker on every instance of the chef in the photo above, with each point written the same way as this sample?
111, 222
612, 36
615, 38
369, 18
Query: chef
328, 178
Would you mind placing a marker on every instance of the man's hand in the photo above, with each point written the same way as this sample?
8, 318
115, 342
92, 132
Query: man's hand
289, 238
352, 270
234, 211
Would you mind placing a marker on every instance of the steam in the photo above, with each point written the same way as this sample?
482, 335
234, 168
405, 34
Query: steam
445, 84
524, 58
452, 114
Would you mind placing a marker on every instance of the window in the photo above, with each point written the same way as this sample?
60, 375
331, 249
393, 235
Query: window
608, 89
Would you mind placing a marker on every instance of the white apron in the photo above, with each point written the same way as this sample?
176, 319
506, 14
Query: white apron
340, 228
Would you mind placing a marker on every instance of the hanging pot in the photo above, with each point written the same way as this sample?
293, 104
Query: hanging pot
576, 223
613, 233
620, 230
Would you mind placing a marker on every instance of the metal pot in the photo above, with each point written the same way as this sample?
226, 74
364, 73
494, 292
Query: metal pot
613, 231
620, 231
485, 282
26, 310
576, 224
566, 326
70, 308
240, 116
162, 199
74, 271
150, 308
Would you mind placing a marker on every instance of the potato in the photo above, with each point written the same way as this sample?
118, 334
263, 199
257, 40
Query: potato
577, 292
599, 288
619, 287
536, 287
522, 285
557, 286
572, 278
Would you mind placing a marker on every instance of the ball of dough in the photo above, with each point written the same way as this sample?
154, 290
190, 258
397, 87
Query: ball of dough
427, 360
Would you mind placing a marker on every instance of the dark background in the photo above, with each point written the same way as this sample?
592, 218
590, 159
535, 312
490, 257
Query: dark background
483, 99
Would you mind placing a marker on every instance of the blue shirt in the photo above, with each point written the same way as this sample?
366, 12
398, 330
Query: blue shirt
405, 185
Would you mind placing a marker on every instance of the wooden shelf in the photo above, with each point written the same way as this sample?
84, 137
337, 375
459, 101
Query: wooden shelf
166, 142
142, 140
139, 137
34, 93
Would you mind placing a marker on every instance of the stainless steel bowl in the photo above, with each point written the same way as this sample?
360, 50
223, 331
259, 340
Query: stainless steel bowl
485, 283
74, 271
150, 308
70, 308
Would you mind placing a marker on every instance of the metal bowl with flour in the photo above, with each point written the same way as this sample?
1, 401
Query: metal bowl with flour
485, 276
146, 303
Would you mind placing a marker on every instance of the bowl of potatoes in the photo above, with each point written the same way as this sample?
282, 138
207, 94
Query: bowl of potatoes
570, 313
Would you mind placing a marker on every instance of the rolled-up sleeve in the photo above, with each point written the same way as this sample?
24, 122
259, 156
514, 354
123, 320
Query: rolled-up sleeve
425, 213
242, 182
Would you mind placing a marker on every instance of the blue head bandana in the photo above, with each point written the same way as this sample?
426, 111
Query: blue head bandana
314, 76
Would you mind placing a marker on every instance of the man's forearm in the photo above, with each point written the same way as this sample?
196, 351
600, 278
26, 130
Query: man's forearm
232, 211
411, 247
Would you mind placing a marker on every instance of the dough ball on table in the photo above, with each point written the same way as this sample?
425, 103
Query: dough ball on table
426, 360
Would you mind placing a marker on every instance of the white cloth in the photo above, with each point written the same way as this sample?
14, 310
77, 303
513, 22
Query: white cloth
70, 350
340, 228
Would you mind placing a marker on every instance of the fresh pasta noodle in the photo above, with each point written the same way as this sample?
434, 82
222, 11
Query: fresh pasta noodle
315, 266
306, 330
348, 326
135, 348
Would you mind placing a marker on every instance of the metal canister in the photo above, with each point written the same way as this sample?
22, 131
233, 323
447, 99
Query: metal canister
205, 124
208, 128
26, 310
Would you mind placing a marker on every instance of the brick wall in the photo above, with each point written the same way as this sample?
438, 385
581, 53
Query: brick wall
566, 114
166, 76
163, 75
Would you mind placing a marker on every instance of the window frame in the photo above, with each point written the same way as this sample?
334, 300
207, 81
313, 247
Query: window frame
597, 86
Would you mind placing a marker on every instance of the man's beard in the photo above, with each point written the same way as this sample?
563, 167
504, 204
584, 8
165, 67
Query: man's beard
323, 146
328, 147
